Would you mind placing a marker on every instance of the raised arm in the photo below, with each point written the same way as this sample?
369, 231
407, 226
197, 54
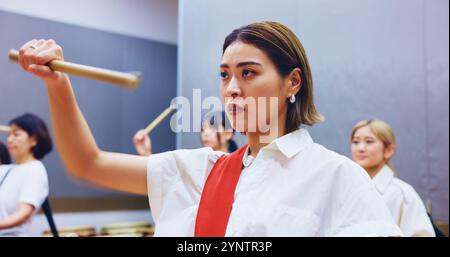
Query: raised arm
74, 140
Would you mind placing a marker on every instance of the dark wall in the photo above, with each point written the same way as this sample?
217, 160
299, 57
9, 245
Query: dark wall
114, 114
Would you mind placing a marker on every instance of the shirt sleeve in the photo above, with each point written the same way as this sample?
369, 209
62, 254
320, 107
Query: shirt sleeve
178, 172
414, 220
34, 189
361, 211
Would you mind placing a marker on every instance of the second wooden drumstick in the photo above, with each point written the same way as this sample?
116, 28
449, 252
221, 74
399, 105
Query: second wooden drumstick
159, 119
4, 128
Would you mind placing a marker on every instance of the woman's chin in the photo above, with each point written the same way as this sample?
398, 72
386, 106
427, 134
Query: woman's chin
13, 154
241, 124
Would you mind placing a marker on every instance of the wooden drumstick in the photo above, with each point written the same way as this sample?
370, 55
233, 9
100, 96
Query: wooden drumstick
4, 128
159, 119
126, 80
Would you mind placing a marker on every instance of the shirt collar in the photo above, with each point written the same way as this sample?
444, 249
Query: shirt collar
383, 178
289, 145
294, 142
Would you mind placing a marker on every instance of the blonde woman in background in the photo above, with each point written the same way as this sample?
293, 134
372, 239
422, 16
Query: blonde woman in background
373, 146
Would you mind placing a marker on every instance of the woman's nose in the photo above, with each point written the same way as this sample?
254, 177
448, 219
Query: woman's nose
361, 147
233, 89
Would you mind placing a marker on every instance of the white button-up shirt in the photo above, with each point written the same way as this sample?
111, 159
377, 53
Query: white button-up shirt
404, 203
294, 187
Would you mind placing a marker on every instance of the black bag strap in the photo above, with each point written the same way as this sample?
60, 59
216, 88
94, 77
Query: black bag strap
4, 177
437, 231
48, 214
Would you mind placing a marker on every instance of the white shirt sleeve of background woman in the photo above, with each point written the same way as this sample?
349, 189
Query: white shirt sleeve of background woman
404, 203
361, 209
414, 220
34, 189
408, 209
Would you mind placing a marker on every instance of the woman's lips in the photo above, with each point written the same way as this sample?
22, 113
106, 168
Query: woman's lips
235, 109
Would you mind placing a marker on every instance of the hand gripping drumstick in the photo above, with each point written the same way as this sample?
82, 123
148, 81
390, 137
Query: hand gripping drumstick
4, 128
126, 80
159, 119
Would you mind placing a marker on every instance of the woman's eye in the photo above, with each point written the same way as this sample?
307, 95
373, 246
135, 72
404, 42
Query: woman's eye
223, 75
247, 73
355, 142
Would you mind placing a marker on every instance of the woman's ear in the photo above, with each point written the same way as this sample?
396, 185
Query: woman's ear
389, 151
294, 81
32, 141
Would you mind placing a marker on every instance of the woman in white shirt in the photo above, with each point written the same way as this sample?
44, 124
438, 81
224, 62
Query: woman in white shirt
23, 185
373, 146
281, 184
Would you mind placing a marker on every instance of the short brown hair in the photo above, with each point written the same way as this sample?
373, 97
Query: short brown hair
284, 49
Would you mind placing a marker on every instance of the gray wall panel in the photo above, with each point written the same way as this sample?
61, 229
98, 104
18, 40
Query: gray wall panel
437, 77
114, 114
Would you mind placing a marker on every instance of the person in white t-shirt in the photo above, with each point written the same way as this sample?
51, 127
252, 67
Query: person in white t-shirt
280, 184
23, 185
373, 146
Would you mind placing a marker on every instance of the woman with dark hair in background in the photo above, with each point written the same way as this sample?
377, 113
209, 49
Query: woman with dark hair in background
5, 158
23, 185
216, 133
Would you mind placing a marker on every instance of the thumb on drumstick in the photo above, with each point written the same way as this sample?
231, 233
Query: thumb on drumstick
142, 143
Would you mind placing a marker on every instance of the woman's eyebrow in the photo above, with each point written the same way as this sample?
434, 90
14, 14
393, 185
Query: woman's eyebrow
247, 63
224, 65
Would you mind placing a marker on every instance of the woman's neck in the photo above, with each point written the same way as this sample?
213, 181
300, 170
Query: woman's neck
224, 148
373, 171
257, 140
25, 159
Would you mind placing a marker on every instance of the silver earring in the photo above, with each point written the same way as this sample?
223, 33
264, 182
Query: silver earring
292, 99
